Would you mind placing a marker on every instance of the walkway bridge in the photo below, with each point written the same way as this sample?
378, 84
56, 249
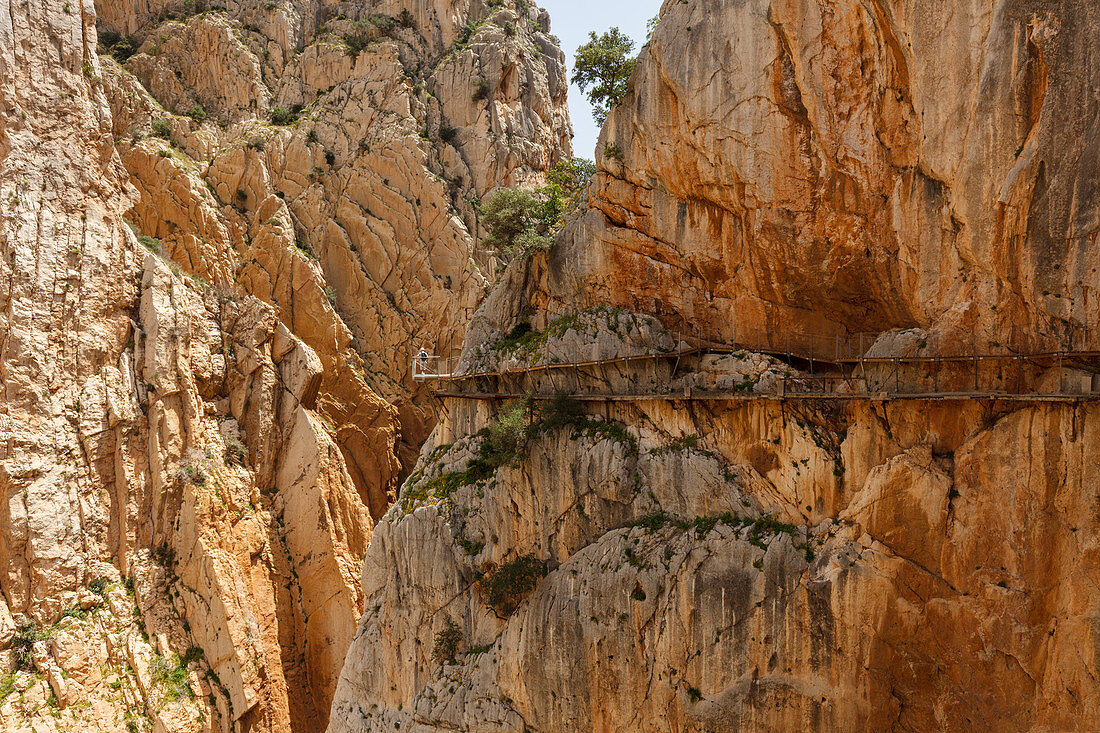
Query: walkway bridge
832, 368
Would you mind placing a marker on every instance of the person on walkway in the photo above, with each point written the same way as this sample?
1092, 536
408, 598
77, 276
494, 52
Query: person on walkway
422, 361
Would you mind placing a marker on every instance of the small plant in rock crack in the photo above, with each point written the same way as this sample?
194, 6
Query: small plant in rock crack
236, 453
164, 555
481, 89
23, 642
170, 672
470, 547
447, 642
194, 474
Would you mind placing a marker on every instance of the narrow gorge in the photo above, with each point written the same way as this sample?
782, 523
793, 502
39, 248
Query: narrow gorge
793, 425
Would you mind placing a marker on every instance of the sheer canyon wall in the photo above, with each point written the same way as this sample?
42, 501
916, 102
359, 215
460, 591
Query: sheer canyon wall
222, 226
924, 170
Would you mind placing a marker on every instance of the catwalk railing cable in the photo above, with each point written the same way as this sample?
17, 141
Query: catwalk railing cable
955, 375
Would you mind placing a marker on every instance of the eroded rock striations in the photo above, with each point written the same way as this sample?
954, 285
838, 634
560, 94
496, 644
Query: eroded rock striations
710, 565
751, 567
853, 166
221, 228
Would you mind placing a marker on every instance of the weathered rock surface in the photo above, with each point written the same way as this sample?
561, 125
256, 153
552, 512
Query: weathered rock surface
910, 590
395, 137
919, 169
849, 167
204, 321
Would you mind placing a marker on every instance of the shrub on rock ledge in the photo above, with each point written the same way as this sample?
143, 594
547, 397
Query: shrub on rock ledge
447, 642
509, 585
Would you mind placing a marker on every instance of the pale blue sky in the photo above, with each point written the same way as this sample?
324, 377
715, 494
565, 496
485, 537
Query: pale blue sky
571, 20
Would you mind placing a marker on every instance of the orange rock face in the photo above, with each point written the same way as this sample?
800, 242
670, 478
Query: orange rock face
850, 168
773, 564
935, 572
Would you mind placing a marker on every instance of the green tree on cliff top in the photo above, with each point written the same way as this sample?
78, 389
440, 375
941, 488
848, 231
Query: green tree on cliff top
602, 70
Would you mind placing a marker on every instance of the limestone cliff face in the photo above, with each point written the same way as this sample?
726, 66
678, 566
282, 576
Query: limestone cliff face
221, 231
402, 122
683, 565
851, 166
932, 569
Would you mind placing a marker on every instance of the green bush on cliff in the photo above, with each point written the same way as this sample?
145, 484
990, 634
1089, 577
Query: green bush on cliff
519, 223
23, 642
171, 674
7, 684
120, 47
516, 223
572, 178
447, 641
561, 410
508, 585
506, 438
282, 116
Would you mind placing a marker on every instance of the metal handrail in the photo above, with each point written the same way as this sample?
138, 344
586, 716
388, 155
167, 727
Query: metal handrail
432, 367
822, 349
933, 379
